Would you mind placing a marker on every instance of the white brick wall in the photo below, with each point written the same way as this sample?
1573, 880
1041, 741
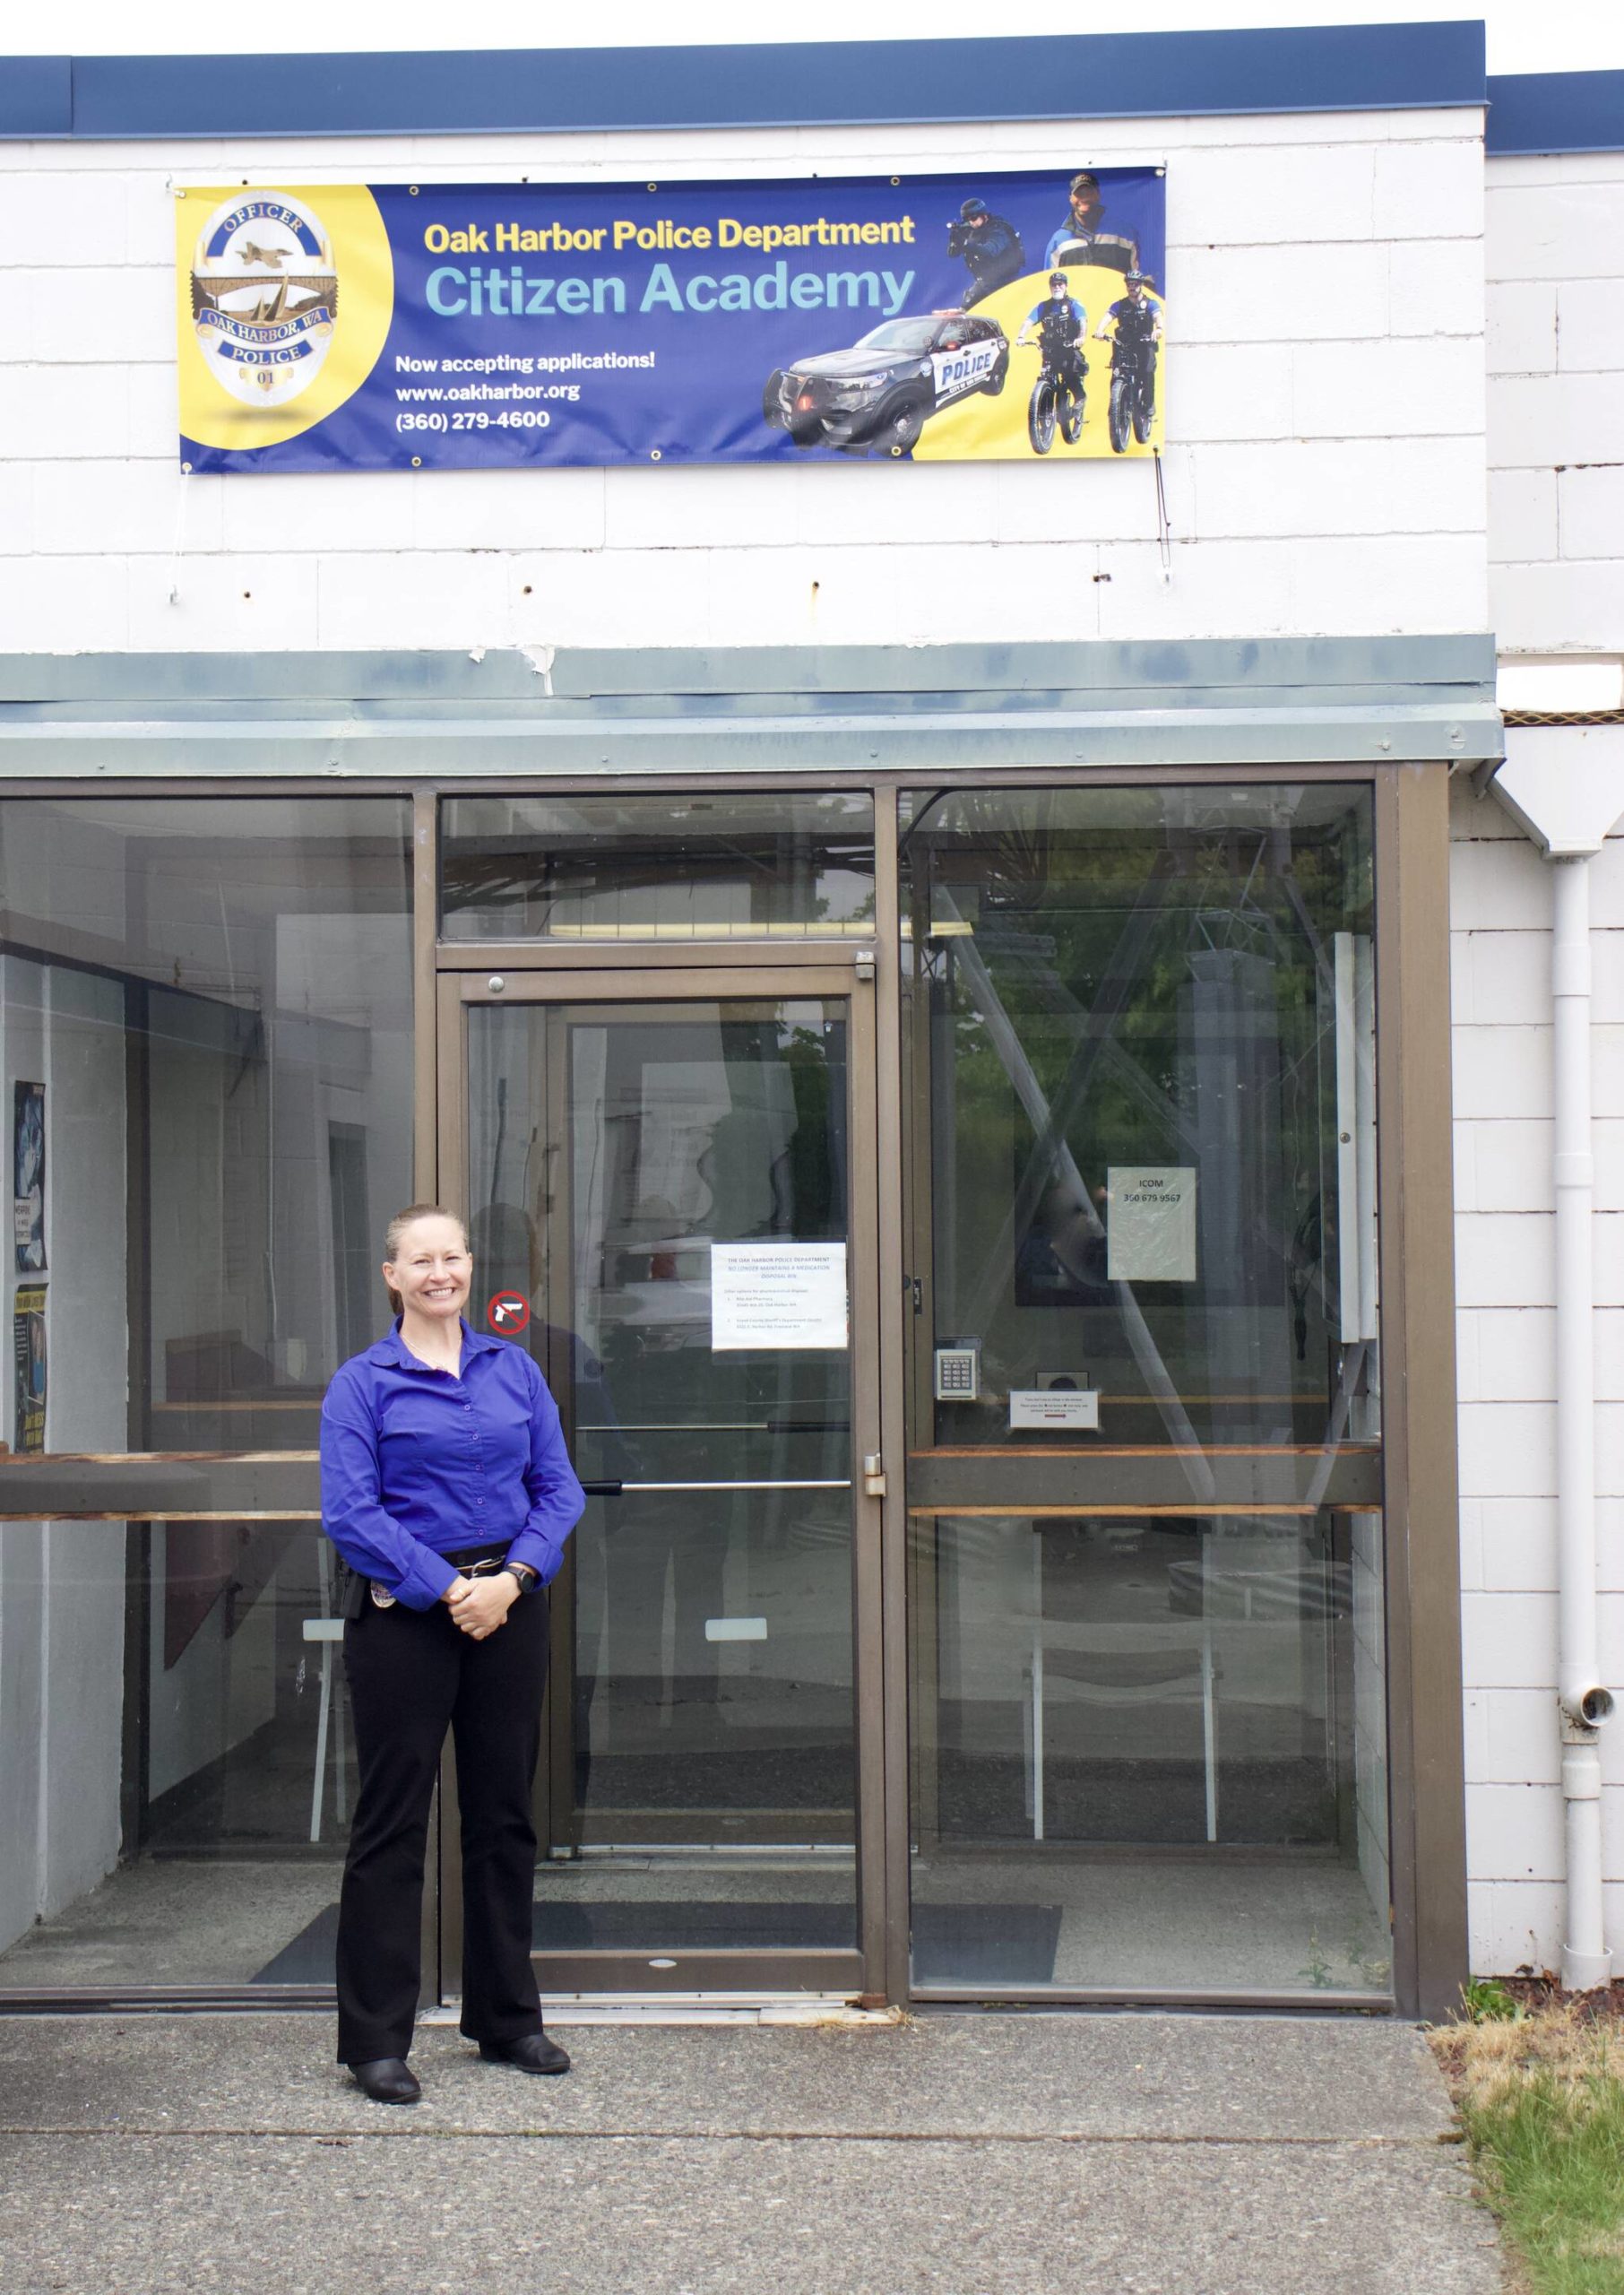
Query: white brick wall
1554, 257
1327, 398
1505, 1220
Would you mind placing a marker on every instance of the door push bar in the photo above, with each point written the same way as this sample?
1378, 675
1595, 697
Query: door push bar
618, 1489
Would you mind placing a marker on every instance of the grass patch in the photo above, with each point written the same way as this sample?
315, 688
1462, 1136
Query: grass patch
1540, 2096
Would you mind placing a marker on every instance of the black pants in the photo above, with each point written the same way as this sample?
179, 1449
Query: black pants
412, 1674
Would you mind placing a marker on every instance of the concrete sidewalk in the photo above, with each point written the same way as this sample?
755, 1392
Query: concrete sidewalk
1015, 2154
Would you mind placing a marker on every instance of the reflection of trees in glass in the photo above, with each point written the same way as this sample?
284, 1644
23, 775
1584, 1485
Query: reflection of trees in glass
1051, 908
818, 1205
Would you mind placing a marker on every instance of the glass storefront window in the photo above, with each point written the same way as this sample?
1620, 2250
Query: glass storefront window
680, 868
1148, 1685
1145, 1612
1150, 1027
205, 1013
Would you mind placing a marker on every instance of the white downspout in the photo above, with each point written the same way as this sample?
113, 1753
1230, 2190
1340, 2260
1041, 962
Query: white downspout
1585, 1703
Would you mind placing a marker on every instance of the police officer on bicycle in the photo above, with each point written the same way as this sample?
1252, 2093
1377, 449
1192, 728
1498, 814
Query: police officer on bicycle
1134, 325
1061, 323
1136, 318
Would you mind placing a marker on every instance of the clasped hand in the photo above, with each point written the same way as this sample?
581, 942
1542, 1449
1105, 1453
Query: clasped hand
481, 1605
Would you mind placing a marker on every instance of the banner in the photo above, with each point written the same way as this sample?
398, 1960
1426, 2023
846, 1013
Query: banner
441, 326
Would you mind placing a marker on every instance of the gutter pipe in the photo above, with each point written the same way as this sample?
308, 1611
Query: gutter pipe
1585, 1703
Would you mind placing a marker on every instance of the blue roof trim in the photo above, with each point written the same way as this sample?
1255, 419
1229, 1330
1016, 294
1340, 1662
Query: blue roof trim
36, 95
1359, 67
1555, 111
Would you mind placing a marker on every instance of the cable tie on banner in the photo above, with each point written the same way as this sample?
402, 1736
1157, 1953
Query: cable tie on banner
1164, 533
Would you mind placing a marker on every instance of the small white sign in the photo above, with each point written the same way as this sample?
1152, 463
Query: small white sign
736, 1629
777, 1295
1077, 1408
1151, 1231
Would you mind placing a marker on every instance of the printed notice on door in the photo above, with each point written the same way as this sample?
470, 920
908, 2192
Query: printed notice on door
777, 1295
1151, 1236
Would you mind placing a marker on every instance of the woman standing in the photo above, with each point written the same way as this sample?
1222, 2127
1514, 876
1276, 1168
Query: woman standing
446, 1488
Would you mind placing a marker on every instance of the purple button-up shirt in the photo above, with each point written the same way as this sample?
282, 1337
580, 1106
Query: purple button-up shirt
417, 1463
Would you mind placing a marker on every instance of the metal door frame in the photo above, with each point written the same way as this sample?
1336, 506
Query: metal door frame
621, 972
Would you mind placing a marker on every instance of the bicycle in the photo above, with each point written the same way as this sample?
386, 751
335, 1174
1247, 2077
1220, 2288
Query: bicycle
1057, 398
1133, 392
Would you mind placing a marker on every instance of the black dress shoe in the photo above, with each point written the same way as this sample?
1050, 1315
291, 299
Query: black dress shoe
387, 2081
531, 2052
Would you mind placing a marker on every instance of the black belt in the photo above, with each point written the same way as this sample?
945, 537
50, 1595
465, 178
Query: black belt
470, 1557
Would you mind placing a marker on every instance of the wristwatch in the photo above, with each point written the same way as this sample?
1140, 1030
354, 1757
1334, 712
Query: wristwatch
521, 1572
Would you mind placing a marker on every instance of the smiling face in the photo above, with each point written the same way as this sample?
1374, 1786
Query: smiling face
431, 1269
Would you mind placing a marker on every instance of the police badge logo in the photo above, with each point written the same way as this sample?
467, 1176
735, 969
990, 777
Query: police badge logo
264, 296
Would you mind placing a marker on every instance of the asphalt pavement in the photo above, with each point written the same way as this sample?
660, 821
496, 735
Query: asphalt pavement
992, 2154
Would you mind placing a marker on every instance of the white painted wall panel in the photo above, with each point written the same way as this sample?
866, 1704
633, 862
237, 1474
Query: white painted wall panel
1496, 884
1501, 979
1431, 291
1225, 390
1266, 195
1424, 191
132, 306
1510, 1739
1518, 1543
1591, 508
1544, 420
1499, 1068
1509, 1642
1503, 1164
1504, 1259
65, 604
1590, 321
1507, 1354
1508, 1449
1515, 1925
1575, 607
1396, 389
1354, 486
205, 604
16, 509
1523, 514
78, 413
1569, 230
1515, 1831
1521, 334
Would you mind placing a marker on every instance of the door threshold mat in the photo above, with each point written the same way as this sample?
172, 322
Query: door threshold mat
977, 1944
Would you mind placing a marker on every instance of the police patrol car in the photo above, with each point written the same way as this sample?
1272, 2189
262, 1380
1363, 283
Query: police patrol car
882, 392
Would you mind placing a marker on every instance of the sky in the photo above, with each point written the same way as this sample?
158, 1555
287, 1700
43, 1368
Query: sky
1524, 35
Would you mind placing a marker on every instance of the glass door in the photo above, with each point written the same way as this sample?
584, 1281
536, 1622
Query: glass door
668, 1179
